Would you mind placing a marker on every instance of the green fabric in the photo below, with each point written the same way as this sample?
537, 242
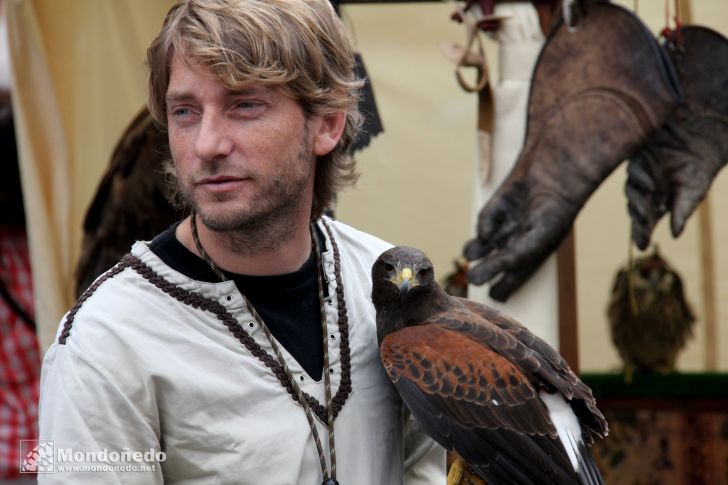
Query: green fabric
675, 385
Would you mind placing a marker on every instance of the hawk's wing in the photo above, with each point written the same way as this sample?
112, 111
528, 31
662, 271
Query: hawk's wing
543, 365
471, 398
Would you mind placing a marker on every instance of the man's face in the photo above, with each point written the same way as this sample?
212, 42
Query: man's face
242, 157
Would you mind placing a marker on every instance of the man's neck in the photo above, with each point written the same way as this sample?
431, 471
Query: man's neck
251, 254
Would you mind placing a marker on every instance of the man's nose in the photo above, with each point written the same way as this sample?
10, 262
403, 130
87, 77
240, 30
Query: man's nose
213, 140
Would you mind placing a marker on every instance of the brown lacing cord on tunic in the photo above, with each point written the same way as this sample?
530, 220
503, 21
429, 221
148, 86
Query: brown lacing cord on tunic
297, 389
66, 332
233, 326
238, 332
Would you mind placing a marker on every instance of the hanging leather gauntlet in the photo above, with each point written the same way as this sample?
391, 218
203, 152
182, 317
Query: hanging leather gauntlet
675, 168
597, 94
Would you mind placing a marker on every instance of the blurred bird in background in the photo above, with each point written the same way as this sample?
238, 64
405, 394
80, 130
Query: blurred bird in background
481, 384
131, 202
649, 316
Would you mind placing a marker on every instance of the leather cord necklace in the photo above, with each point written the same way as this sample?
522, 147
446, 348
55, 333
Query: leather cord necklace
329, 479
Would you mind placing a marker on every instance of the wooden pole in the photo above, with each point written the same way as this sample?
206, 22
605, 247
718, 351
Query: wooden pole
707, 258
568, 319
707, 266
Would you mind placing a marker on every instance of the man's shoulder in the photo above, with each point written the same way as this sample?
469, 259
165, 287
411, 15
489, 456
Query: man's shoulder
121, 304
356, 241
111, 297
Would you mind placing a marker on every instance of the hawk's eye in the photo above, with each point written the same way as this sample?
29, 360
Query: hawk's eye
424, 272
388, 267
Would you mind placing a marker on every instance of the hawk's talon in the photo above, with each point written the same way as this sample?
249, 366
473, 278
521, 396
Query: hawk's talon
455, 474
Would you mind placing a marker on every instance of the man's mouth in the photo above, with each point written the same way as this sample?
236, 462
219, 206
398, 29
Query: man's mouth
220, 183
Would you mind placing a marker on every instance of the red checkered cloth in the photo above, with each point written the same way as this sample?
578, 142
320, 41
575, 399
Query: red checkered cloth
19, 354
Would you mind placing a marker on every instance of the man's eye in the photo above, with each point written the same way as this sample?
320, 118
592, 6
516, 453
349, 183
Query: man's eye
247, 105
180, 112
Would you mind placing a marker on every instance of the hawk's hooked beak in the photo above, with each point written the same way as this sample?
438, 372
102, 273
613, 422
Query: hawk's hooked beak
404, 281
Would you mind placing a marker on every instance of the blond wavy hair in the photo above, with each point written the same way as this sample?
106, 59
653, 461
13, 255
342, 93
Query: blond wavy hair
300, 46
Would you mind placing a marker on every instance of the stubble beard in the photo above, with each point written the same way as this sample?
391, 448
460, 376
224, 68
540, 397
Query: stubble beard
267, 220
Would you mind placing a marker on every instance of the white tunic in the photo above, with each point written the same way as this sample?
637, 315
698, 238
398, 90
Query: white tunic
143, 367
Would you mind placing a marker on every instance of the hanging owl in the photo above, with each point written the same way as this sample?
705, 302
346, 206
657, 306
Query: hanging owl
649, 316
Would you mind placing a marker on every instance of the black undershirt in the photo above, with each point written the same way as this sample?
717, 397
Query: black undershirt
288, 304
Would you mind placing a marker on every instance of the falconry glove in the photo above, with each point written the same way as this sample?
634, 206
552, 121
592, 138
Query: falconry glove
597, 94
676, 167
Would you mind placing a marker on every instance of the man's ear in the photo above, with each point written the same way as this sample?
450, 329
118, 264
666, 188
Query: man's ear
328, 130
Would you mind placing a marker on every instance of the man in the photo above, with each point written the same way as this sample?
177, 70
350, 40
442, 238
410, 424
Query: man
187, 361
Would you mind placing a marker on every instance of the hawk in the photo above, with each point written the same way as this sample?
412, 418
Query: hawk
481, 384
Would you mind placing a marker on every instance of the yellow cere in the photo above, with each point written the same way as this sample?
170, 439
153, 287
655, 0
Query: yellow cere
406, 273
